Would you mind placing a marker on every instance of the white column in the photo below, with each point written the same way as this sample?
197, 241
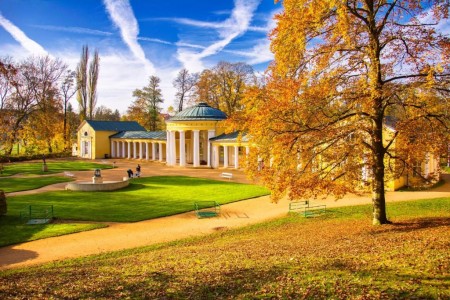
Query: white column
236, 157
146, 151
211, 134
141, 153
196, 148
173, 149
225, 156
123, 149
153, 151
167, 148
216, 157
160, 152
134, 149
117, 149
182, 149
113, 149
129, 150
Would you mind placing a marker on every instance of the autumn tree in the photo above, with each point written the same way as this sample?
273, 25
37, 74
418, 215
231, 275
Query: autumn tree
42, 76
145, 109
223, 86
8, 74
87, 83
341, 68
104, 113
33, 90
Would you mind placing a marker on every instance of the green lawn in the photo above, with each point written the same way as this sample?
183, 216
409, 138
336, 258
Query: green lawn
14, 231
145, 198
35, 168
337, 256
15, 184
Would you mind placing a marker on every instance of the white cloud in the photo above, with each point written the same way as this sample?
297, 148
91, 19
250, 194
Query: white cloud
260, 53
153, 40
27, 43
119, 76
233, 27
123, 17
80, 30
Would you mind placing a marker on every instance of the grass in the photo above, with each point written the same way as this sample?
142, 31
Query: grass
15, 184
145, 198
35, 168
13, 231
338, 256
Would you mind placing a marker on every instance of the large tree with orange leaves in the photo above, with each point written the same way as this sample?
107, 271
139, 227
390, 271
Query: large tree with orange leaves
342, 69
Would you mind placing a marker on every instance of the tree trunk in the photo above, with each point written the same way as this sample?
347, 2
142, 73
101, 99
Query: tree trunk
3, 205
378, 191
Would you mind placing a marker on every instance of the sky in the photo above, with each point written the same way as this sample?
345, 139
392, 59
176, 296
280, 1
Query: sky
139, 38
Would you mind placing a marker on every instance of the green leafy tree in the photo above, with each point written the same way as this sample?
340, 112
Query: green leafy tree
146, 109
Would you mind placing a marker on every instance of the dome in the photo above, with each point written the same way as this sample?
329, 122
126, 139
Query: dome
201, 111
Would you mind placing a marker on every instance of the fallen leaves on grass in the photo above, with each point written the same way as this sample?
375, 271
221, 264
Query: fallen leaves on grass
326, 258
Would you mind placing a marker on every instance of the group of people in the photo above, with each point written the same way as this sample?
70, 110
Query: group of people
137, 174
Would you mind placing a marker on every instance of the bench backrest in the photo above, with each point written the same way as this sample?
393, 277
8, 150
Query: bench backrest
298, 205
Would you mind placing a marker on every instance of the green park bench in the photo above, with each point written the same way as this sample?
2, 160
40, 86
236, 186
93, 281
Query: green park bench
305, 208
207, 209
37, 214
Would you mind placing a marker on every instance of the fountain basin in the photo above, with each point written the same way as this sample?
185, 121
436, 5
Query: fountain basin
92, 187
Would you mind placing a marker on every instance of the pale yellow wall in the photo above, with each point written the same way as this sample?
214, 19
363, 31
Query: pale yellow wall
99, 142
102, 144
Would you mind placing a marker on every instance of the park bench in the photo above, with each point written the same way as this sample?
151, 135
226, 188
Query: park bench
37, 214
68, 174
226, 175
305, 208
207, 209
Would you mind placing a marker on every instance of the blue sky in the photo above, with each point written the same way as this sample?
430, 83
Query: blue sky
139, 38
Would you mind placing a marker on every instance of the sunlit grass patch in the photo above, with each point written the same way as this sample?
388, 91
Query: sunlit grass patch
35, 168
15, 184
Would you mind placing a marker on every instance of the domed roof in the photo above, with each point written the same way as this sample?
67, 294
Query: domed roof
201, 111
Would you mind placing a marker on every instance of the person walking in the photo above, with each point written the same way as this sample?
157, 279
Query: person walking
138, 171
130, 173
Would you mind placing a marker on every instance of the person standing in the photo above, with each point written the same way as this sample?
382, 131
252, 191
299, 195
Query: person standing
138, 171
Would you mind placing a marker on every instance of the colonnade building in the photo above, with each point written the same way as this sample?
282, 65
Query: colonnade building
194, 137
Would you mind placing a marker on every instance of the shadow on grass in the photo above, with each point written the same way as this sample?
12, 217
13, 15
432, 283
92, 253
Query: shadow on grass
413, 225
183, 181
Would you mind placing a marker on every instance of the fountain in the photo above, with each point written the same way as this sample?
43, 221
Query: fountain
97, 184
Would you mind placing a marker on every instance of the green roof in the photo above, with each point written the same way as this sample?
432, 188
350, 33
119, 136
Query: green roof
230, 137
201, 111
152, 135
115, 125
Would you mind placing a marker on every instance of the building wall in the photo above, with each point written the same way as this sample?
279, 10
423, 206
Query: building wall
102, 145
93, 144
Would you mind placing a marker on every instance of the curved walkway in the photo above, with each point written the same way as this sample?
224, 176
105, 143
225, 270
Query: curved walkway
120, 236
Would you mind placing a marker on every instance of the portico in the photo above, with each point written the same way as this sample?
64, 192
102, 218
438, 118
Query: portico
189, 133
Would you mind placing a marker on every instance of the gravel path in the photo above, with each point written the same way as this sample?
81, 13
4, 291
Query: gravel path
120, 236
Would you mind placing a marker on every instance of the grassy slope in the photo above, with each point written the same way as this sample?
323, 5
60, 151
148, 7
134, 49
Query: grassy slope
339, 256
